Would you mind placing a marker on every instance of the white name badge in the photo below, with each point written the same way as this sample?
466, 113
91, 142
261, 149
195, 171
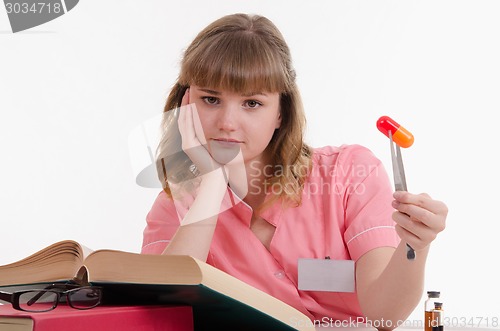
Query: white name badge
326, 275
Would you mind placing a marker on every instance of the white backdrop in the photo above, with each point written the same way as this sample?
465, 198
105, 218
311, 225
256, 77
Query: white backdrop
72, 90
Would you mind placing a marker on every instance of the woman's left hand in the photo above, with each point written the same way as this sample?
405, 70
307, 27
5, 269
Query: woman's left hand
418, 218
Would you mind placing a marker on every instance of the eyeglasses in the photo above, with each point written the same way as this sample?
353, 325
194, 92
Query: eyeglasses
40, 300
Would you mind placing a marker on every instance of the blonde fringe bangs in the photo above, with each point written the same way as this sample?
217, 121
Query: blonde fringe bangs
241, 63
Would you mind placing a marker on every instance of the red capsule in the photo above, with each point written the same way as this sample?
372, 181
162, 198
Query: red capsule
400, 135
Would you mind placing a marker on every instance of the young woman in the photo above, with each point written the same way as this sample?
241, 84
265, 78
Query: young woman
243, 192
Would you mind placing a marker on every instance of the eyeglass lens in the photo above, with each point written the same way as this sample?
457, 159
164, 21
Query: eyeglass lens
38, 300
84, 298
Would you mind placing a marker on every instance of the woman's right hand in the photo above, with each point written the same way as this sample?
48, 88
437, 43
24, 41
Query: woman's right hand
194, 143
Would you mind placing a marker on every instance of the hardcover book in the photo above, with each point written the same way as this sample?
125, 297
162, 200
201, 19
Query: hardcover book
219, 301
101, 318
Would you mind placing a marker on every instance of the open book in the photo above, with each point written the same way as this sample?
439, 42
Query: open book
220, 301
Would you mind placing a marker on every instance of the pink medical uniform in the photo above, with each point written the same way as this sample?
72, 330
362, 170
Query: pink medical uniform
345, 212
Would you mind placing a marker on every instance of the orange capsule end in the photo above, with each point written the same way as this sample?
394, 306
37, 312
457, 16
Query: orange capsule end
400, 135
403, 137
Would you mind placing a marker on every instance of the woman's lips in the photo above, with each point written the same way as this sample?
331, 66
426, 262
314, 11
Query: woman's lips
227, 142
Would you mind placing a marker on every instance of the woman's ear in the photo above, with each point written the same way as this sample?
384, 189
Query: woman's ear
278, 120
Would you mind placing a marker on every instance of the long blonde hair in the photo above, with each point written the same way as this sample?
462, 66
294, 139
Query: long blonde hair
242, 53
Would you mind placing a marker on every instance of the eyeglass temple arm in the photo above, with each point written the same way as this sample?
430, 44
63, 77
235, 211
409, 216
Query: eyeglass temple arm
5, 296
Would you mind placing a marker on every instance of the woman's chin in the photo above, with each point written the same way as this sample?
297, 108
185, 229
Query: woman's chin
224, 154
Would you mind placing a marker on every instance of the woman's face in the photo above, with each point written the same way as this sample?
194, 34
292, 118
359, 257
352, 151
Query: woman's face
234, 121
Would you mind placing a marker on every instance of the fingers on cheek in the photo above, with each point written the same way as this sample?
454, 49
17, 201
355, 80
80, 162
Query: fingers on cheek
181, 120
185, 98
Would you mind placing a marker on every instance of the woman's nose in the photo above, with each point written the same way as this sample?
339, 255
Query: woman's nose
227, 119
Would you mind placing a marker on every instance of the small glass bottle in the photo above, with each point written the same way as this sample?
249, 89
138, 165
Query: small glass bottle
432, 298
437, 317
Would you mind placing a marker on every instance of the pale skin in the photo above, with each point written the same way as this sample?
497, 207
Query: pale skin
388, 285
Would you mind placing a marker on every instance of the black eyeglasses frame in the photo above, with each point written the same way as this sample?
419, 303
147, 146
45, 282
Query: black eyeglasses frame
60, 291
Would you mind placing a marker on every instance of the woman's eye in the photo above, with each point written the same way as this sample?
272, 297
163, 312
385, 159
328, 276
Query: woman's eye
211, 100
253, 104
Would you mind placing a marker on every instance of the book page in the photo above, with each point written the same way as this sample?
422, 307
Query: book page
15, 324
86, 251
57, 262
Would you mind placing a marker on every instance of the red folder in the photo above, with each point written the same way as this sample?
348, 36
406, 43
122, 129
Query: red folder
101, 318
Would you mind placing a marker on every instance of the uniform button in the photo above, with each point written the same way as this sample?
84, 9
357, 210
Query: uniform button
279, 274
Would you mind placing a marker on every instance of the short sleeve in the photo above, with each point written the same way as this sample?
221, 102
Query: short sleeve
368, 209
162, 222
